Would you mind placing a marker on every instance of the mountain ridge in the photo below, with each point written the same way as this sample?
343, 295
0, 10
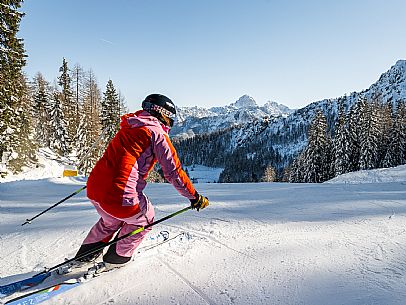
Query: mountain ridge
199, 120
280, 139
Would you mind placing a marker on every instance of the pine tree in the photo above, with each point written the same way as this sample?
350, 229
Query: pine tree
386, 122
354, 130
123, 108
370, 135
293, 171
110, 112
59, 131
396, 152
342, 149
41, 110
89, 142
68, 102
401, 117
78, 82
85, 149
16, 143
317, 151
329, 154
25, 150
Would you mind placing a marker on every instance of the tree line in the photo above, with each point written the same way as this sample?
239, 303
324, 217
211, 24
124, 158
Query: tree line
367, 136
252, 162
71, 116
74, 117
342, 137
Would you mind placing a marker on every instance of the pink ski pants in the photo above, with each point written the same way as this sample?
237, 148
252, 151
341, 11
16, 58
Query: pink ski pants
108, 225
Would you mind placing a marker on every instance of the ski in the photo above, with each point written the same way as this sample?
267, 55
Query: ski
48, 292
23, 284
66, 279
43, 277
42, 295
31, 282
51, 291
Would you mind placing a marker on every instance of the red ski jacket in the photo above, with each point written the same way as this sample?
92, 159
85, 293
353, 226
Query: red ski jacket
118, 179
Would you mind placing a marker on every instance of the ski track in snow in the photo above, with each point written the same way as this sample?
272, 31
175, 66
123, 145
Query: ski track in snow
255, 244
199, 233
187, 282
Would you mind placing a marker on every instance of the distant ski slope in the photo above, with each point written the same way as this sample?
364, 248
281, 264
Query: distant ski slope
262, 243
397, 174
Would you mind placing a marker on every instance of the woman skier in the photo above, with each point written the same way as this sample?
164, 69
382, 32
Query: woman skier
116, 183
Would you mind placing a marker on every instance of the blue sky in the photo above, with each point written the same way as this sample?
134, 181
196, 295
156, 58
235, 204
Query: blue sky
209, 53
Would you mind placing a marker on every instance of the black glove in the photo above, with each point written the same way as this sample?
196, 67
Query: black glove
199, 202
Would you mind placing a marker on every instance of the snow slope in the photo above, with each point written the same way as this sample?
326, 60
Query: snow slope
267, 243
397, 174
49, 165
203, 174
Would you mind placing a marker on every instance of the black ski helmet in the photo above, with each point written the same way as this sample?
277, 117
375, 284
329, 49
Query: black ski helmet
160, 107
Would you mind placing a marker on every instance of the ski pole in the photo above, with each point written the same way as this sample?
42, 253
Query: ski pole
51, 207
78, 191
139, 230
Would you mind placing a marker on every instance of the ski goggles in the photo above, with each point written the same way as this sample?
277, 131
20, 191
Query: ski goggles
166, 116
161, 110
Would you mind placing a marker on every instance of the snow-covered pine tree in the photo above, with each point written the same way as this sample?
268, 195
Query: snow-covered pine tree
110, 112
68, 102
396, 152
78, 80
123, 105
59, 131
354, 130
316, 154
341, 142
370, 134
297, 169
293, 171
26, 146
41, 110
401, 117
14, 105
386, 121
82, 139
329, 165
89, 132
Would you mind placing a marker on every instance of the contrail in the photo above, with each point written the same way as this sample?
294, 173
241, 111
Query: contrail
107, 41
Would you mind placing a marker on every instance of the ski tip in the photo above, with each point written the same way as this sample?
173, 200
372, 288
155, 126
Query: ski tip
23, 284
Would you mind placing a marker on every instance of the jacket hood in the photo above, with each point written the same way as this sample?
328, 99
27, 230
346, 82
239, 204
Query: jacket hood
141, 118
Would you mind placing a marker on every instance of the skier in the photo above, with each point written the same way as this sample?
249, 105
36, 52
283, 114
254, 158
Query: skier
116, 183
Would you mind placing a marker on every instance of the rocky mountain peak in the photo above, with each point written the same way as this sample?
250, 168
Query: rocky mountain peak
244, 101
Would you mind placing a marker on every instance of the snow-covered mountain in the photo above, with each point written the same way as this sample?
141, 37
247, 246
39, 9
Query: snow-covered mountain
286, 135
198, 120
391, 87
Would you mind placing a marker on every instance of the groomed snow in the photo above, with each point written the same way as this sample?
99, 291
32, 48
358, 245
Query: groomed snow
266, 243
396, 174
204, 174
